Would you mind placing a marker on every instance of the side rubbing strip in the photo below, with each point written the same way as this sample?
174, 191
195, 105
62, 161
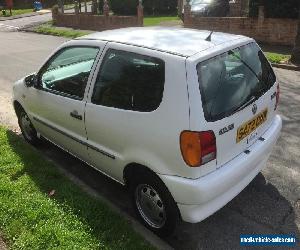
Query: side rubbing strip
75, 139
101, 151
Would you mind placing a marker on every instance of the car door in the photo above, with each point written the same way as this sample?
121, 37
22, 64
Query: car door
127, 87
57, 105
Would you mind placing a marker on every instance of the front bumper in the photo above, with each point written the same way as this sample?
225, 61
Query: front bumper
197, 199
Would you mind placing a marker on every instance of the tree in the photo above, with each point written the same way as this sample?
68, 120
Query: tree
94, 6
151, 7
296, 51
275, 8
219, 8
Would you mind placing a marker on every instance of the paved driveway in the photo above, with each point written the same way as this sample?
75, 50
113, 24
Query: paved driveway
270, 204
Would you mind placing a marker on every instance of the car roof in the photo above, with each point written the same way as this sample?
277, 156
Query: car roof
179, 41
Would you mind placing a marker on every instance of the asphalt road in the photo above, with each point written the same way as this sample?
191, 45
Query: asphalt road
270, 204
20, 54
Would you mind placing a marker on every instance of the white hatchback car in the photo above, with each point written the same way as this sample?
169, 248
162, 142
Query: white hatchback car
185, 118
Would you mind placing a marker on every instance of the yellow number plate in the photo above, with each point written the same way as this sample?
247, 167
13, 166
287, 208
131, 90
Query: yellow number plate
248, 127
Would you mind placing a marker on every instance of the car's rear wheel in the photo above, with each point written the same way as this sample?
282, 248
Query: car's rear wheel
28, 131
154, 204
150, 206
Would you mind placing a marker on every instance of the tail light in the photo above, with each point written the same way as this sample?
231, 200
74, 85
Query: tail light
198, 148
277, 96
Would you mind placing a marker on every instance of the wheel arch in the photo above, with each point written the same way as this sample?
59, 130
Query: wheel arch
17, 106
133, 169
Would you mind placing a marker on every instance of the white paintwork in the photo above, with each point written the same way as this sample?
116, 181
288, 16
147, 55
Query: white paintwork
152, 139
198, 199
197, 119
122, 128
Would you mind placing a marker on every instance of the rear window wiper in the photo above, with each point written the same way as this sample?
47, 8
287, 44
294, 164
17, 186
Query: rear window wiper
247, 103
232, 111
230, 52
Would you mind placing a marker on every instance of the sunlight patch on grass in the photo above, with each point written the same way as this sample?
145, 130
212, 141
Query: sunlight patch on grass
30, 218
55, 31
153, 21
277, 58
16, 12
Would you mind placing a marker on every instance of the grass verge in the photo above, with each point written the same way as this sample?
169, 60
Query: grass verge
156, 20
277, 58
30, 218
49, 29
16, 12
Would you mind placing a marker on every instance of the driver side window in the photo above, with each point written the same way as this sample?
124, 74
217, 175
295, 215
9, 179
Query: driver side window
68, 71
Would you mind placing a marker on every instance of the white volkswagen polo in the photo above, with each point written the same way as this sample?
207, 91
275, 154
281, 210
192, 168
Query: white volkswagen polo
185, 118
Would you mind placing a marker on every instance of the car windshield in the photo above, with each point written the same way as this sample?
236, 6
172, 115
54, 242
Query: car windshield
200, 2
233, 80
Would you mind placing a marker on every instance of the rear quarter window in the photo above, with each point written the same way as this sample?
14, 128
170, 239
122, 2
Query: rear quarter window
230, 80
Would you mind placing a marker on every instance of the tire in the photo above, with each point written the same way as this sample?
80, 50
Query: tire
28, 131
154, 204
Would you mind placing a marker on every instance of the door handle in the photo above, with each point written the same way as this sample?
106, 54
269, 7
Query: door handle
75, 115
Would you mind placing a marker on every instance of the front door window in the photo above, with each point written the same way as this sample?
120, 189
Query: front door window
68, 71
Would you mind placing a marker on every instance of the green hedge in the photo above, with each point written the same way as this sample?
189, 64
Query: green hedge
101, 2
151, 7
27, 4
160, 7
276, 8
124, 7
219, 8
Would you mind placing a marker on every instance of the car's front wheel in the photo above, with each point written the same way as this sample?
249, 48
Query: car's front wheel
154, 204
28, 131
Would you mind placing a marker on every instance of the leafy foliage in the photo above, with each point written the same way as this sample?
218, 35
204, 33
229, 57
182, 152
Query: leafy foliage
276, 8
151, 7
22, 4
124, 7
296, 51
219, 8
159, 7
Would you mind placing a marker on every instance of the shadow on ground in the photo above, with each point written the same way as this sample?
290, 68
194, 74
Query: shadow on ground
259, 209
99, 220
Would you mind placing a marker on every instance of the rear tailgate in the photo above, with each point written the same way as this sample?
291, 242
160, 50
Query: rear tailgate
237, 132
238, 98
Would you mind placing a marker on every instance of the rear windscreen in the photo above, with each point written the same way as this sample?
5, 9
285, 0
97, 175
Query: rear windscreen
233, 80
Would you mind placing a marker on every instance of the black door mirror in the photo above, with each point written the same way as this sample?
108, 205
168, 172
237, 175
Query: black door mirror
31, 81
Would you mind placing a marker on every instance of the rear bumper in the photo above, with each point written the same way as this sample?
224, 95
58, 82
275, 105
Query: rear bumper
197, 199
